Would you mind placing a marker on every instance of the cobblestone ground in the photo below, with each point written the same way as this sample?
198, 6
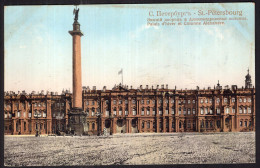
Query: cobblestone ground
133, 149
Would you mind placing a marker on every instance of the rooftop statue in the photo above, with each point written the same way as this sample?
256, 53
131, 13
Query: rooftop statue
76, 12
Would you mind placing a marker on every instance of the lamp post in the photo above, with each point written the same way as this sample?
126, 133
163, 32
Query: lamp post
99, 114
37, 115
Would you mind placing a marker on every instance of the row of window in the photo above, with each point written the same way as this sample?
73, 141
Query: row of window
36, 114
172, 101
245, 124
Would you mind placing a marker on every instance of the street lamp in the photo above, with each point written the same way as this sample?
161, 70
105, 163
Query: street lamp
37, 115
99, 114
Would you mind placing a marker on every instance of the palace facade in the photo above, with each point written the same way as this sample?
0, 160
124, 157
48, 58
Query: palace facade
128, 110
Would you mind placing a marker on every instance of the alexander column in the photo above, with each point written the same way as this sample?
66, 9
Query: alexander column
77, 117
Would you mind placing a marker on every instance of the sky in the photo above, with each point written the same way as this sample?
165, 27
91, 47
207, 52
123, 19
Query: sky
38, 47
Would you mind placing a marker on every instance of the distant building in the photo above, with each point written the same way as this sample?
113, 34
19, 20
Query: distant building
123, 110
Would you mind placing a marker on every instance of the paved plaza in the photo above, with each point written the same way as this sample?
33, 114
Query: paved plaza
131, 149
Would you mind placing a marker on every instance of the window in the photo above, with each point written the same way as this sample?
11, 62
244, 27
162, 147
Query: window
24, 114
39, 104
201, 101
87, 103
218, 100
114, 111
5, 115
148, 111
134, 111
179, 101
172, 110
241, 123
18, 114
147, 101
107, 112
120, 111
153, 111
93, 102
249, 99
167, 111
166, 101
58, 104
202, 124
148, 124
44, 114
142, 101
142, 124
189, 111
133, 101
184, 111
218, 110
62, 104
126, 101
193, 111
249, 123
206, 100
249, 110
210, 101
142, 112
218, 123
227, 110
233, 100
120, 102
240, 100
188, 101
30, 115
211, 111
206, 110
114, 102
160, 111
153, 101
184, 101
245, 123
160, 101
244, 100
225, 100
180, 111
193, 101
173, 124
35, 104
233, 110
179, 124
172, 100
93, 112
201, 111
245, 110
240, 110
